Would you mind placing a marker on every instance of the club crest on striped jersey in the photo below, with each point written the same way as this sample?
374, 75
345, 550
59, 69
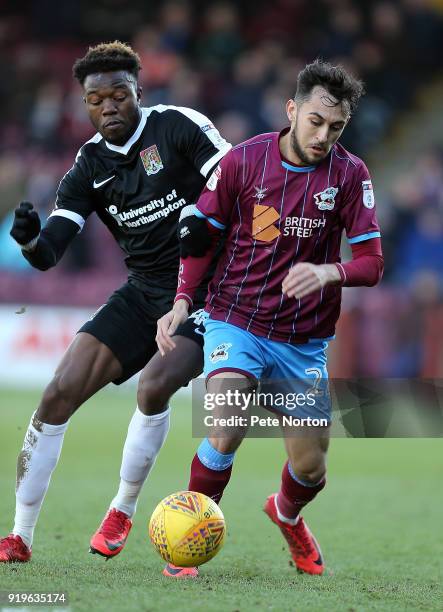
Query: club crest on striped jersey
325, 199
152, 162
263, 223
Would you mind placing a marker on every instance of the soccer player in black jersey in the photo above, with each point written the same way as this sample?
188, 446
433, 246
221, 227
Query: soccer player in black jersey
137, 173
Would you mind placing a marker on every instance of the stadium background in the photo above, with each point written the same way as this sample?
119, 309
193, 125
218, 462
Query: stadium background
236, 62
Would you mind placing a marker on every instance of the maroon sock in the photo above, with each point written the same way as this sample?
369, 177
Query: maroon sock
293, 495
210, 482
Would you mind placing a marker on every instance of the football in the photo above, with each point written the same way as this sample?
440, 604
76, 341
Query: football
187, 529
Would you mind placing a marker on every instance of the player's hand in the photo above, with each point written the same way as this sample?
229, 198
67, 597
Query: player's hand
167, 325
305, 278
26, 225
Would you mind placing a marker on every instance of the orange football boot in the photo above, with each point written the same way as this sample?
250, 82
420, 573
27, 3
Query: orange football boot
303, 547
173, 571
111, 536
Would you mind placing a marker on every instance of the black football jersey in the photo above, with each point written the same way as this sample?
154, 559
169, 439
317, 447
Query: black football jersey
139, 189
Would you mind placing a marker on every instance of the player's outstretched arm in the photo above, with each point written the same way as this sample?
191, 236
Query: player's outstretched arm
43, 248
198, 241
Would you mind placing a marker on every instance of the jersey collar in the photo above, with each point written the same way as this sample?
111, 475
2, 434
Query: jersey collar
124, 149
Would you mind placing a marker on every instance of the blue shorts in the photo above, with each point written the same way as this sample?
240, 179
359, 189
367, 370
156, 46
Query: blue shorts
285, 370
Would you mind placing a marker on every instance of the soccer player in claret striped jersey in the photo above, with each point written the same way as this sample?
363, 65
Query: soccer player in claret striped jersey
282, 201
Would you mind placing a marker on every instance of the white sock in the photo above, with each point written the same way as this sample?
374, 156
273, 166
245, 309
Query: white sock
36, 462
283, 518
145, 438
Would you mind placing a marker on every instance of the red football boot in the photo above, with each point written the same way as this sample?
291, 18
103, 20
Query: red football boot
14, 550
303, 547
173, 571
111, 536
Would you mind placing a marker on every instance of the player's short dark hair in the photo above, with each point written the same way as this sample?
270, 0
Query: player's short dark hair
335, 79
107, 57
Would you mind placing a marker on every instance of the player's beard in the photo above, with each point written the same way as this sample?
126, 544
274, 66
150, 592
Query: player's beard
296, 147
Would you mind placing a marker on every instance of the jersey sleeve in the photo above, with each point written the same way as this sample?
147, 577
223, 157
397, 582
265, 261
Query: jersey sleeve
357, 214
220, 193
199, 140
74, 198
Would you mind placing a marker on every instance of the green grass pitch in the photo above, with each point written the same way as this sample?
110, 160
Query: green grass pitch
379, 522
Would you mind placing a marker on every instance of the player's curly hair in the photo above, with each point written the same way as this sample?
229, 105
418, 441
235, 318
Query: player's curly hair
335, 79
107, 57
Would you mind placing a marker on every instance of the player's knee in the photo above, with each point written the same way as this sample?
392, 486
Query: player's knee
226, 445
153, 393
310, 470
312, 477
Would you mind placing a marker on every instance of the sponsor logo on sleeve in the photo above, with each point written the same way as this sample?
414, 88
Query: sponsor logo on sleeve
213, 179
207, 127
368, 194
214, 135
152, 162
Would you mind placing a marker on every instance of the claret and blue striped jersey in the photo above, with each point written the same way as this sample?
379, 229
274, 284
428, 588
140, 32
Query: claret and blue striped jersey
276, 215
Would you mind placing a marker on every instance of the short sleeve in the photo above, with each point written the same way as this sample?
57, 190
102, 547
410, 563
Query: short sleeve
199, 140
220, 193
357, 214
74, 198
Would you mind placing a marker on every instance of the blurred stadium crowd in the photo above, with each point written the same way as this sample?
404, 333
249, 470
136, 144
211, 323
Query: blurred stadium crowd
237, 62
